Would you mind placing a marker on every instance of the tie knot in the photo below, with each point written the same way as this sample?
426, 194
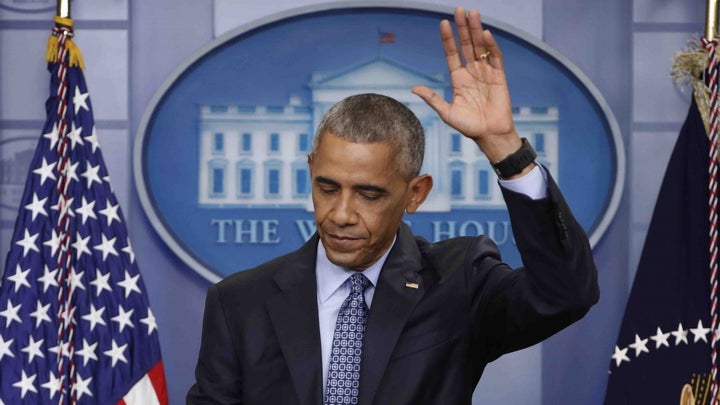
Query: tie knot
359, 283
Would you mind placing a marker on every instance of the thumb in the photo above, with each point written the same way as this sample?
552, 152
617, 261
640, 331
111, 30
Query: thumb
432, 99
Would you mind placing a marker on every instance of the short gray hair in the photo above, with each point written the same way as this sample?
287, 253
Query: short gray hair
367, 118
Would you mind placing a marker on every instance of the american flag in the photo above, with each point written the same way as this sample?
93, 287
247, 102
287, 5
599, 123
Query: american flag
663, 347
386, 37
75, 324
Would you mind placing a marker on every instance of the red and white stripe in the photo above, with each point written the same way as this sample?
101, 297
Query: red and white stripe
64, 268
712, 84
150, 390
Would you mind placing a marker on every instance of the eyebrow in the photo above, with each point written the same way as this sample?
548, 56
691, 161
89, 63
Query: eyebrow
359, 187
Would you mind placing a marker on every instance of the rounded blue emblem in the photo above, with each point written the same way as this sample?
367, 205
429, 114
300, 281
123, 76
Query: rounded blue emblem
220, 159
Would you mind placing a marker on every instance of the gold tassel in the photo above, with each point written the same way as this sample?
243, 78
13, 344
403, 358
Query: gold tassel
74, 56
52, 49
687, 69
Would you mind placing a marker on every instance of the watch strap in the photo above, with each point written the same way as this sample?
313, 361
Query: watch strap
515, 162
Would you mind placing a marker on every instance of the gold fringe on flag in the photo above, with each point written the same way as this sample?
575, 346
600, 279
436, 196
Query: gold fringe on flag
74, 56
687, 68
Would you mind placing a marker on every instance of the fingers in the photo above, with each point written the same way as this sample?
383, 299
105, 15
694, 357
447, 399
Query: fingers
451, 53
476, 43
466, 41
435, 101
476, 32
496, 56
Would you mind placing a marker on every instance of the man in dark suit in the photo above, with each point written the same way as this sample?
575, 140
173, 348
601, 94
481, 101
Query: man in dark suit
428, 316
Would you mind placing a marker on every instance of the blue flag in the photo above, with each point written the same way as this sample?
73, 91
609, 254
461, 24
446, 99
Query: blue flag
664, 343
75, 324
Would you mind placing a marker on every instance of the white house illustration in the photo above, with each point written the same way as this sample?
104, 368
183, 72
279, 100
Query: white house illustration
256, 156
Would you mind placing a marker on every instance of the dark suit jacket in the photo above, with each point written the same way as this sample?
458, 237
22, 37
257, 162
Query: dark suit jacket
261, 343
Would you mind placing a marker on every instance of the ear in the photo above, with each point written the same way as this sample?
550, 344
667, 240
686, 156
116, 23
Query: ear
419, 189
310, 163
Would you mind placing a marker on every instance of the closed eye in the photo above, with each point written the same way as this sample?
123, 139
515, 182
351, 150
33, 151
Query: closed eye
326, 186
370, 196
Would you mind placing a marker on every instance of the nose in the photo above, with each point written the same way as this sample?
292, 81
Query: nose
344, 213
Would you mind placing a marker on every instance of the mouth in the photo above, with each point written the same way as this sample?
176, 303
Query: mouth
342, 242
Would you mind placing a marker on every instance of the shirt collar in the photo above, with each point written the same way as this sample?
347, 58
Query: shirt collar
331, 276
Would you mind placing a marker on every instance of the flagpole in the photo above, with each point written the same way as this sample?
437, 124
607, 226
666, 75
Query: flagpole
63, 8
711, 81
711, 19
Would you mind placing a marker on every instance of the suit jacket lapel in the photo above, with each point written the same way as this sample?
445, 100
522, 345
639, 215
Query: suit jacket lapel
391, 306
294, 315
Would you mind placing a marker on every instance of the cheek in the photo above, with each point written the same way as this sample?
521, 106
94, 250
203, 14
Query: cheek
384, 224
320, 216
319, 209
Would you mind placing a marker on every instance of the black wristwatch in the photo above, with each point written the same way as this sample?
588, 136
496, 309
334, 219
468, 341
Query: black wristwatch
515, 162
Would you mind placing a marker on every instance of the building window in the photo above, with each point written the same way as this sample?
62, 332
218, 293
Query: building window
245, 172
246, 143
216, 171
539, 143
301, 182
218, 180
245, 182
273, 181
303, 143
456, 183
483, 184
274, 145
455, 144
457, 178
272, 178
301, 179
218, 143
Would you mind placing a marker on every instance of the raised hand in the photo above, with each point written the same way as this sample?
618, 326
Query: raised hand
480, 107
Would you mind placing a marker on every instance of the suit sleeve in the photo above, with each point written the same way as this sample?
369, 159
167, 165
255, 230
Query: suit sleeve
218, 373
555, 287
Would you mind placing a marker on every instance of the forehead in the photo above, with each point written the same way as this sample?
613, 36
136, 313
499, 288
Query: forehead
339, 156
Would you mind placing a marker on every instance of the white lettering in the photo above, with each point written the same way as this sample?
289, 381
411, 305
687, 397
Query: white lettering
499, 231
251, 231
493, 232
441, 233
270, 228
306, 228
221, 224
464, 231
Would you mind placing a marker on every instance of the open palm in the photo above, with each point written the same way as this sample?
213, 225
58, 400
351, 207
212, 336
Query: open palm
480, 107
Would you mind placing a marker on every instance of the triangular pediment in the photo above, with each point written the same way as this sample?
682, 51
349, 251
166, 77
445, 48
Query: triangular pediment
377, 72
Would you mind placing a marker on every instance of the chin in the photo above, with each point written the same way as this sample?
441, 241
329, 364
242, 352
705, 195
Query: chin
344, 260
339, 260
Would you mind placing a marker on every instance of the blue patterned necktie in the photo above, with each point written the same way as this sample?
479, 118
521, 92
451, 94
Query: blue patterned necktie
343, 380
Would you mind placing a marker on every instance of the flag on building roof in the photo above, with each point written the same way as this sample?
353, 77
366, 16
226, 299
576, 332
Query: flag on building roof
75, 323
386, 37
